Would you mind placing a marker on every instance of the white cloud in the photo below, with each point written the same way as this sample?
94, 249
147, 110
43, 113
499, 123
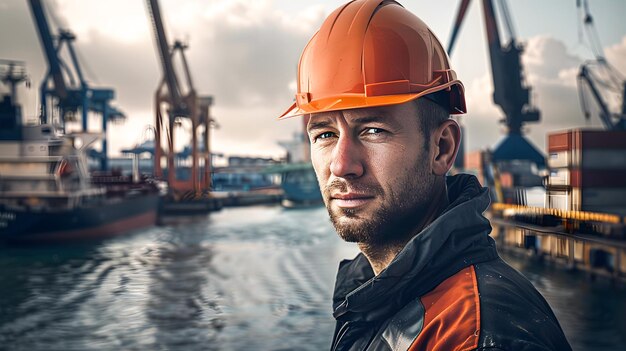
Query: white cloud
117, 20
545, 57
616, 55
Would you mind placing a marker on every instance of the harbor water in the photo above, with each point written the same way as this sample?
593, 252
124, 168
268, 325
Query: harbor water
255, 278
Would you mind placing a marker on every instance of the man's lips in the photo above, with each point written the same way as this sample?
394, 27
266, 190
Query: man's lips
350, 200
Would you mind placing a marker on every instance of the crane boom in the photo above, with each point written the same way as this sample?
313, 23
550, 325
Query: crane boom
166, 58
585, 77
607, 77
45, 37
605, 115
457, 24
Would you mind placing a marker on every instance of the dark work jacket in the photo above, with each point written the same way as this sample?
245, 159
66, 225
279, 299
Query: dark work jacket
446, 290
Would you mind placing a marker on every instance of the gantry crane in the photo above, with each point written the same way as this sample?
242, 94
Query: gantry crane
172, 104
599, 76
511, 94
65, 86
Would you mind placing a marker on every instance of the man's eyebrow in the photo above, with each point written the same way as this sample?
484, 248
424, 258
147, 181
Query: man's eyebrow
318, 125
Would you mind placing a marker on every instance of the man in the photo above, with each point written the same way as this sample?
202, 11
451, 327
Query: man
377, 90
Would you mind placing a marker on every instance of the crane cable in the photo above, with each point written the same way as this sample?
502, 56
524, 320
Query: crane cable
508, 22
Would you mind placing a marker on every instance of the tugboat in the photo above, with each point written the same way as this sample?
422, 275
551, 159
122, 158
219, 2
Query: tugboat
46, 192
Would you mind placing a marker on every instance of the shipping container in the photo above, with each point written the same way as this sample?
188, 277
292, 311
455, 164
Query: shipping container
607, 159
602, 200
579, 139
597, 178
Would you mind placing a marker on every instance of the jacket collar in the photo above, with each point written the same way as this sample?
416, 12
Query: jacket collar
456, 239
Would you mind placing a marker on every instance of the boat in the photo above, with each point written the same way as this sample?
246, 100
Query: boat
299, 184
47, 193
297, 176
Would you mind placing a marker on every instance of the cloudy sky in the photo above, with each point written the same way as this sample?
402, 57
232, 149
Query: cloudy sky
245, 53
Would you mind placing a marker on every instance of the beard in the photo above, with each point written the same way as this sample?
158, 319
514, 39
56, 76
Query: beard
403, 208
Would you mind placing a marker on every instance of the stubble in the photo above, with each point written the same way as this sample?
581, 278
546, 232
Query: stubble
402, 208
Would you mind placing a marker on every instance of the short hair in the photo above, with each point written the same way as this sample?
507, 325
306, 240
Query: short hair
431, 115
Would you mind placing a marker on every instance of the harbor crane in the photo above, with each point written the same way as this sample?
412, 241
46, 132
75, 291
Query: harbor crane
65, 87
174, 103
598, 74
511, 93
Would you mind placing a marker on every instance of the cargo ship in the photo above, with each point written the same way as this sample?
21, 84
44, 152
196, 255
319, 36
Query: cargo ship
47, 194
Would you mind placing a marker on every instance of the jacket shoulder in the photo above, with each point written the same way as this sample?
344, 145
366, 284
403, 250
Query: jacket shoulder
513, 314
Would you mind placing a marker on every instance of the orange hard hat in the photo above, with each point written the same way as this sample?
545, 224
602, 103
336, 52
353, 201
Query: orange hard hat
373, 53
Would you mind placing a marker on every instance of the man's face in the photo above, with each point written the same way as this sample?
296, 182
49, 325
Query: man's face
373, 171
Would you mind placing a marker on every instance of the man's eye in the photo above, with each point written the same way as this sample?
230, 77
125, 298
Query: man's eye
374, 131
324, 135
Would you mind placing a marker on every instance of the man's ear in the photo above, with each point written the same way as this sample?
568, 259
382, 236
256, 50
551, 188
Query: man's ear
447, 139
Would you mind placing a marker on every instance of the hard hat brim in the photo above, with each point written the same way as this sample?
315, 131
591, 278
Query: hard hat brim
354, 101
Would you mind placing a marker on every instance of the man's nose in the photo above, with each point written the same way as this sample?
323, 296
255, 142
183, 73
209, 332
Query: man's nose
347, 158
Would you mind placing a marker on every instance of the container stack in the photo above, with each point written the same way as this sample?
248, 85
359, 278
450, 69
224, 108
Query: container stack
587, 171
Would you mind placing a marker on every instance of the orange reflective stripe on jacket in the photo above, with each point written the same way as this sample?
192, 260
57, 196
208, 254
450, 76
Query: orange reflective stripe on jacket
452, 317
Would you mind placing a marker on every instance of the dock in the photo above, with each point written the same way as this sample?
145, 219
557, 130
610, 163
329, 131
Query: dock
590, 242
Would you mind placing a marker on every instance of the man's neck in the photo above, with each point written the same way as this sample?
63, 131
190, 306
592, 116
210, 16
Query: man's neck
381, 255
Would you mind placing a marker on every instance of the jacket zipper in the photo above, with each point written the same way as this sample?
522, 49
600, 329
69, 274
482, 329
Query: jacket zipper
340, 334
